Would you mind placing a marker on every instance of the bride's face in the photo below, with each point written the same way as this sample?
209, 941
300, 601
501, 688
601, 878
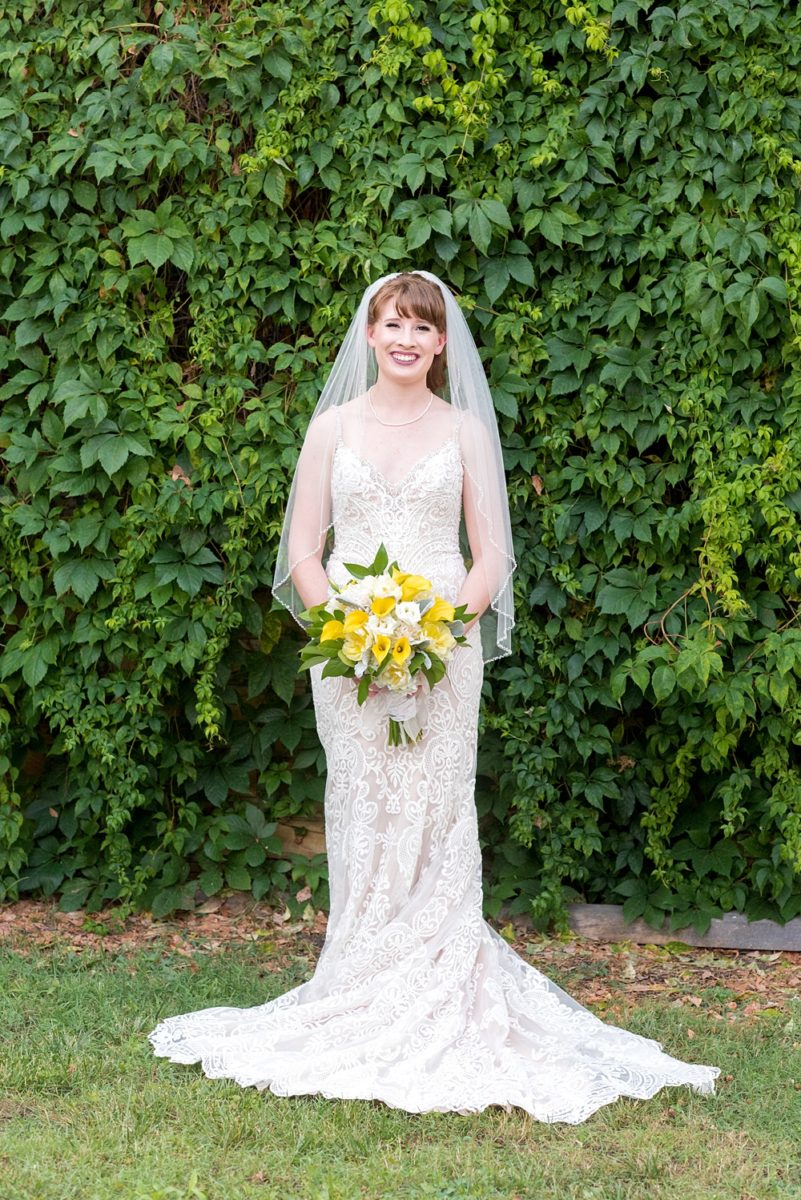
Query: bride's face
405, 347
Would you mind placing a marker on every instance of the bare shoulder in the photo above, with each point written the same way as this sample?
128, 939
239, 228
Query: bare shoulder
475, 442
444, 414
321, 435
323, 426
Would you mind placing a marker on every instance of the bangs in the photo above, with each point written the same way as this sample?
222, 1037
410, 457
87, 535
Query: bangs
413, 296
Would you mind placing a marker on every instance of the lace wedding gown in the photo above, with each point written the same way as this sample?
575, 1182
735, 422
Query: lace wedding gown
415, 1000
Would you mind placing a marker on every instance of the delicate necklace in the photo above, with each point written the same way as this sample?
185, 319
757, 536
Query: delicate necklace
397, 424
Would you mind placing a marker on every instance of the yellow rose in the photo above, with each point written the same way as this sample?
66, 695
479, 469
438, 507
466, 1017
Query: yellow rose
354, 644
438, 638
355, 620
381, 647
396, 676
414, 586
383, 605
331, 631
440, 610
401, 650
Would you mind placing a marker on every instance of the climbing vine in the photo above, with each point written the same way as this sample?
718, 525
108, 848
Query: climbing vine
192, 198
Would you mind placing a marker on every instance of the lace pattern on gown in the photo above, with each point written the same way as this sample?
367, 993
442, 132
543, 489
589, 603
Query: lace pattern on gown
415, 1000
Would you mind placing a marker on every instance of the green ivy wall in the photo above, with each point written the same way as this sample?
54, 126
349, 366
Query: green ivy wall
192, 198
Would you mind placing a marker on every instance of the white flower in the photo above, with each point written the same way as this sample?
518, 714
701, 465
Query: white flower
408, 611
356, 592
413, 632
383, 585
378, 625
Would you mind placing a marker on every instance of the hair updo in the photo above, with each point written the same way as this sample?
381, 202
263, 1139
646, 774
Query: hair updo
414, 295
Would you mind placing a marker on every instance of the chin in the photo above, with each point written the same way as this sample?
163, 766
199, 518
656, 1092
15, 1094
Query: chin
397, 374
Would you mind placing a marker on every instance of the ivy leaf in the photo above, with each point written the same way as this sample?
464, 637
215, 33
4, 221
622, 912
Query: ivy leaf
37, 658
238, 877
113, 454
774, 286
84, 194
153, 248
79, 576
275, 184
663, 681
183, 254
496, 279
103, 163
211, 881
480, 229
418, 232
278, 65
496, 212
161, 58
520, 269
551, 228
629, 593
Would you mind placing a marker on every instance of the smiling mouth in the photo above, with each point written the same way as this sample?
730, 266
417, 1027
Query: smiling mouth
403, 359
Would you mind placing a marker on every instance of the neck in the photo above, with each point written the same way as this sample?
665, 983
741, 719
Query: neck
399, 397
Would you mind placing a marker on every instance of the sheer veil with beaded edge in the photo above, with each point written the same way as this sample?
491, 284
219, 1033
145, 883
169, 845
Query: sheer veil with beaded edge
352, 374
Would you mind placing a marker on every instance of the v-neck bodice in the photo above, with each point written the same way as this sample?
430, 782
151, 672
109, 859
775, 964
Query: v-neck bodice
417, 518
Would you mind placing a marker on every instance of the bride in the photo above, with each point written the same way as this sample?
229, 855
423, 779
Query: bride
415, 1001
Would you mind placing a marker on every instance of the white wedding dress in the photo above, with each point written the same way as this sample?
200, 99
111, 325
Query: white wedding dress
416, 1001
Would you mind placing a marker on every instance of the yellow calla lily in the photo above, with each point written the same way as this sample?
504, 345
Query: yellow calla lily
401, 650
414, 586
383, 605
355, 620
440, 610
381, 647
331, 631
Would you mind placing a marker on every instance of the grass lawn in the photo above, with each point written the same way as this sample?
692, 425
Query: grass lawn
86, 1112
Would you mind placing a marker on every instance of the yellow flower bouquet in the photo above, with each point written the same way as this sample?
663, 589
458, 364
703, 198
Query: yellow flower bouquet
387, 629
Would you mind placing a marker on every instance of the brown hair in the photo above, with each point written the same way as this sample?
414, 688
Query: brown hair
414, 295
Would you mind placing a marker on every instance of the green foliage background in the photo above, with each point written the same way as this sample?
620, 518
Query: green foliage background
193, 196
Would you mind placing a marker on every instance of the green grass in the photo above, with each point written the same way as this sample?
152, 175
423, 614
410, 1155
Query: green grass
86, 1112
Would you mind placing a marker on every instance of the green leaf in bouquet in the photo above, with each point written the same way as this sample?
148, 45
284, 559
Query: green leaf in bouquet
317, 614
435, 672
376, 567
357, 571
364, 688
337, 667
313, 653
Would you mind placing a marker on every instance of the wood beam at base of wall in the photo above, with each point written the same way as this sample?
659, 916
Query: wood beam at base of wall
732, 931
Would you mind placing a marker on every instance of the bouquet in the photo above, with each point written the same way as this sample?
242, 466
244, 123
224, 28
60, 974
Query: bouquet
387, 629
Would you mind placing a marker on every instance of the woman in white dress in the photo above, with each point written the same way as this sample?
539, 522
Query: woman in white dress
415, 1001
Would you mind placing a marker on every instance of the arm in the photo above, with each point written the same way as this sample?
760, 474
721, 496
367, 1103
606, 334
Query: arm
312, 510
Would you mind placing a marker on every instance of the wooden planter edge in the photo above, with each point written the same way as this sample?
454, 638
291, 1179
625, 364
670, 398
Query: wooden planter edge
732, 931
